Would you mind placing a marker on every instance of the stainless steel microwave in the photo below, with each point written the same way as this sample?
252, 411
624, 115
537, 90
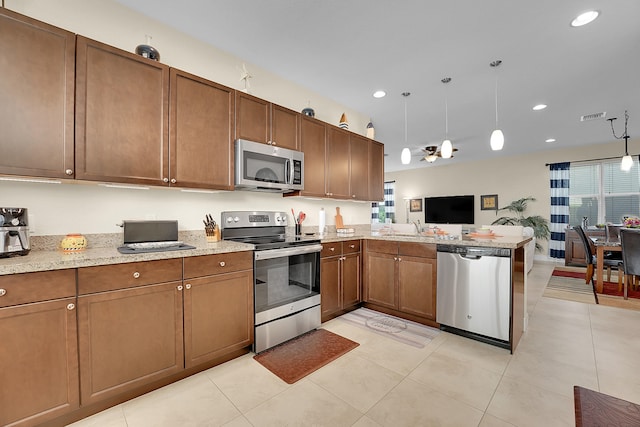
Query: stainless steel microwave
262, 167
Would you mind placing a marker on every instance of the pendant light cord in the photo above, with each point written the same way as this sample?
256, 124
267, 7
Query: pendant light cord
625, 135
496, 95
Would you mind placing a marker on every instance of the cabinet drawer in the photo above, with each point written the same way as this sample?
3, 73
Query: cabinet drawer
425, 250
382, 246
33, 287
351, 246
331, 249
129, 275
207, 265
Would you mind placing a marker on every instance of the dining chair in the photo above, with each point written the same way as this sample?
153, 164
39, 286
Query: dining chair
630, 241
591, 261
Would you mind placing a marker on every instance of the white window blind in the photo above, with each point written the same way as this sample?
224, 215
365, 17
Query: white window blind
602, 192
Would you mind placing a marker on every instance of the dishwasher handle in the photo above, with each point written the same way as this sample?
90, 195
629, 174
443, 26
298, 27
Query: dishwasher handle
474, 252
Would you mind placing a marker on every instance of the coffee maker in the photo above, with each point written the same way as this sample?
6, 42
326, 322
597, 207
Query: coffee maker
14, 232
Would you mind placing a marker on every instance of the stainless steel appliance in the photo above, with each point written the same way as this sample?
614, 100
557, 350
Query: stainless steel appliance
151, 236
474, 292
286, 275
14, 232
262, 167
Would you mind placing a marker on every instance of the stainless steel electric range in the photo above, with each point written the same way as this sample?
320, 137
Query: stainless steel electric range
286, 275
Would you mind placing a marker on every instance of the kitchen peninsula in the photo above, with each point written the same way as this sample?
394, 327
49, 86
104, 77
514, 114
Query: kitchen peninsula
51, 304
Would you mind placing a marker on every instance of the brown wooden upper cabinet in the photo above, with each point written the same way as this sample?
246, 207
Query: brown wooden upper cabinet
37, 71
201, 126
261, 121
122, 118
359, 167
376, 171
338, 163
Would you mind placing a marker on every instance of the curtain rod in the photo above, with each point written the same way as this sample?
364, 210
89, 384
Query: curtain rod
591, 160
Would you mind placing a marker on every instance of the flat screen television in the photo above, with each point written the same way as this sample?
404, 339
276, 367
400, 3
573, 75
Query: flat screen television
449, 210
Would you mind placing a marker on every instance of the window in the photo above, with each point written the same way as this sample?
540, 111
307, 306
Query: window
384, 212
603, 193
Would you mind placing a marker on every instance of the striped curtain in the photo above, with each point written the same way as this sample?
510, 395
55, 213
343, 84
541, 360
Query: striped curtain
388, 205
559, 174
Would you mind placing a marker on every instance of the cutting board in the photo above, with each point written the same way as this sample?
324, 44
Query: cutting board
339, 223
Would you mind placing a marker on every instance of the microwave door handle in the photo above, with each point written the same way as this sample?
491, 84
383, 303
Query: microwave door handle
289, 171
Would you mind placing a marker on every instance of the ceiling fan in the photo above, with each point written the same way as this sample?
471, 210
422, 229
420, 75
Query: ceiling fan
430, 153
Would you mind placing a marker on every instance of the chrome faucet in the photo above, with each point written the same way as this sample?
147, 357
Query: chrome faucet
418, 227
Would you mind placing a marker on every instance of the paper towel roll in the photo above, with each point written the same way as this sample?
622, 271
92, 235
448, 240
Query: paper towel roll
321, 221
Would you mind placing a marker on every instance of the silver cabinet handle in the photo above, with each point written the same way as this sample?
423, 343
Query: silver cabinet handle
395, 258
3, 292
188, 286
71, 306
69, 171
173, 180
222, 263
352, 246
399, 259
165, 179
179, 287
136, 275
332, 249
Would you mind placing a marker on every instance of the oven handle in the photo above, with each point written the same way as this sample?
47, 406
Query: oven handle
286, 252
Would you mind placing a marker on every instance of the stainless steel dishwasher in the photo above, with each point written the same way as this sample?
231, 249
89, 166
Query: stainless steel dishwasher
474, 292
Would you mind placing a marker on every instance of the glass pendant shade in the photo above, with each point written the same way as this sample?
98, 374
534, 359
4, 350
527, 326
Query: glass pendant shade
497, 140
446, 150
627, 163
405, 157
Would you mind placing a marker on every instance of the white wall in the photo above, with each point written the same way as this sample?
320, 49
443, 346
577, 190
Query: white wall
511, 178
89, 208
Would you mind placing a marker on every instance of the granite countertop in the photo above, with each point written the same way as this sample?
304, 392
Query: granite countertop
44, 260
52, 259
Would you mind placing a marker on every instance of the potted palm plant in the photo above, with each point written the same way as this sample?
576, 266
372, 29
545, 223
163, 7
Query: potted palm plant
539, 224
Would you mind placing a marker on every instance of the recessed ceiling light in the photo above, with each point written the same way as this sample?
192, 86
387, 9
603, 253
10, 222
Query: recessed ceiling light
585, 18
550, 140
539, 107
379, 94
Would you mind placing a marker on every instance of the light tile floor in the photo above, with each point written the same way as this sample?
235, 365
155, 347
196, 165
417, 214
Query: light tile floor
454, 381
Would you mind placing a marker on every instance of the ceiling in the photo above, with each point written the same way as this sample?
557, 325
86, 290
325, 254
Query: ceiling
345, 50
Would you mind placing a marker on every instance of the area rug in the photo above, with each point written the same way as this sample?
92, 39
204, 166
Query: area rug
297, 358
402, 330
572, 280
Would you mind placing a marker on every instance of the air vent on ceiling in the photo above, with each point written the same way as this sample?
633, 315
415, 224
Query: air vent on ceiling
594, 116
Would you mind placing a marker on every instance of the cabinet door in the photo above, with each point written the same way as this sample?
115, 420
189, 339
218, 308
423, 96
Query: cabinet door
252, 118
417, 286
37, 69
312, 140
218, 316
359, 167
337, 164
128, 338
285, 127
330, 286
39, 361
380, 282
201, 125
351, 280
376, 171
122, 102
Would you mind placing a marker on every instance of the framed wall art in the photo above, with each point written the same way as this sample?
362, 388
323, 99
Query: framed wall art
415, 205
489, 202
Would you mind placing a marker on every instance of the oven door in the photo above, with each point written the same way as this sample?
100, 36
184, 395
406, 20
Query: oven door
286, 279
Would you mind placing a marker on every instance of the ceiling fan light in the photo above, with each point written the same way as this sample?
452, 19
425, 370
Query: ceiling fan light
497, 140
447, 149
431, 158
626, 164
585, 18
405, 157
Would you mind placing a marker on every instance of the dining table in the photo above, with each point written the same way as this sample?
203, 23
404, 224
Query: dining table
602, 246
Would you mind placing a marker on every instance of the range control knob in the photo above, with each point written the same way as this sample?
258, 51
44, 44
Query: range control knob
236, 219
229, 219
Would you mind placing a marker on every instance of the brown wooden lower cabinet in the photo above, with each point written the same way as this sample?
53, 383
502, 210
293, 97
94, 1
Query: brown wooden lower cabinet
401, 276
38, 347
574, 248
340, 276
218, 308
128, 338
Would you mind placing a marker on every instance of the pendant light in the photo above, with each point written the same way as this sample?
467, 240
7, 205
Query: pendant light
405, 157
627, 161
447, 148
497, 137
